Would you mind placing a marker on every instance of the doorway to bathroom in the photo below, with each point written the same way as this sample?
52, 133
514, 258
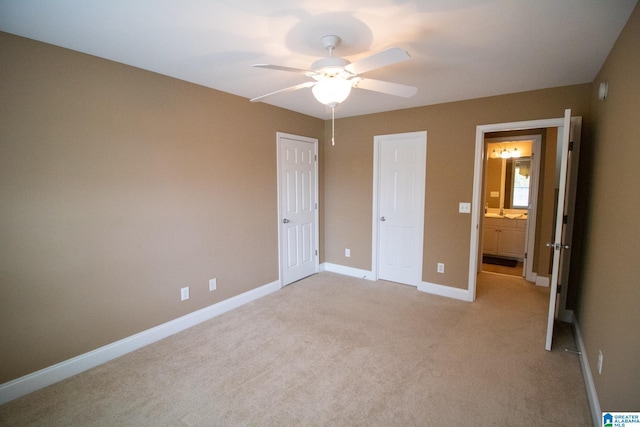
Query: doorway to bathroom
560, 191
510, 194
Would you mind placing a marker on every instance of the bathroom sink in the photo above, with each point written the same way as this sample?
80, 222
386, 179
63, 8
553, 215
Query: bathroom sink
509, 216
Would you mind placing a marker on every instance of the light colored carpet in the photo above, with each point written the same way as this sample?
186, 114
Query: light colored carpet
334, 350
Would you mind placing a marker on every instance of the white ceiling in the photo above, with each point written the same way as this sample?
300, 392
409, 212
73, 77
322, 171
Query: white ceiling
460, 49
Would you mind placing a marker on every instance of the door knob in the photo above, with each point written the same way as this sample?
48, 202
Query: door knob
285, 221
558, 246
382, 218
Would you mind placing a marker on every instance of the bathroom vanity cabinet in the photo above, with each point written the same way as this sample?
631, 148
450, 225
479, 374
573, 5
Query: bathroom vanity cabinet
504, 237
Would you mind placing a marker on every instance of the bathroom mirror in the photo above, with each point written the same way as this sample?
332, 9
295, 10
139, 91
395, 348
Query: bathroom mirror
516, 185
507, 183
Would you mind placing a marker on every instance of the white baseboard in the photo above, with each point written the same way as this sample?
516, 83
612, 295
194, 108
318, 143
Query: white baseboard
542, 281
445, 291
29, 383
594, 403
347, 271
431, 288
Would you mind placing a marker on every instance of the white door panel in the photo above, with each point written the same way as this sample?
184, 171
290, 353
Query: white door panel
401, 172
564, 220
298, 212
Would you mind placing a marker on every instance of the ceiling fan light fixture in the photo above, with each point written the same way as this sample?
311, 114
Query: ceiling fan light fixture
332, 92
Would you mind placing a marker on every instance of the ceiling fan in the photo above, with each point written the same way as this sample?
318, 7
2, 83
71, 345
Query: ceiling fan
333, 77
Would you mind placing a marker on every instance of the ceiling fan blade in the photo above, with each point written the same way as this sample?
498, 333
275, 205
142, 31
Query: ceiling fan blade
281, 68
385, 87
288, 89
378, 60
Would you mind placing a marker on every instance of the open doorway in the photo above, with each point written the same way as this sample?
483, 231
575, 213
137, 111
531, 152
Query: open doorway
510, 194
540, 221
560, 191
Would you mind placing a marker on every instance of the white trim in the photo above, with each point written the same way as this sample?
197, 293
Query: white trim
445, 291
474, 245
542, 281
29, 383
430, 288
347, 271
374, 211
592, 394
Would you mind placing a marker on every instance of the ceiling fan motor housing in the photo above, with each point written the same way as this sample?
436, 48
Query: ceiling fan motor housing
331, 67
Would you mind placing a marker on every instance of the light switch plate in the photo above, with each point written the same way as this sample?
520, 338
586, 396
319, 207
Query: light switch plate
464, 207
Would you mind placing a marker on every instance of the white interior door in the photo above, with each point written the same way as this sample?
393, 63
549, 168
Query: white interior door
298, 210
401, 166
564, 221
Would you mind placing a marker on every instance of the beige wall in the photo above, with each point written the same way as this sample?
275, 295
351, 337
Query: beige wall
609, 309
450, 160
118, 187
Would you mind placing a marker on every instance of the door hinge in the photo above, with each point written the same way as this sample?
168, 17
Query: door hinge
559, 288
316, 252
570, 145
315, 157
565, 219
316, 206
525, 255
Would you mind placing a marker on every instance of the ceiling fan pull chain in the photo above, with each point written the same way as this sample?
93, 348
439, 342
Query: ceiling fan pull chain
333, 126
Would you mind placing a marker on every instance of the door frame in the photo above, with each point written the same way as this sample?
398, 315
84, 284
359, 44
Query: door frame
478, 185
314, 141
375, 211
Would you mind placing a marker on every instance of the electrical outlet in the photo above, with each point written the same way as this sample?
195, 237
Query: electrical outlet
347, 253
600, 362
212, 284
440, 267
464, 207
184, 293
